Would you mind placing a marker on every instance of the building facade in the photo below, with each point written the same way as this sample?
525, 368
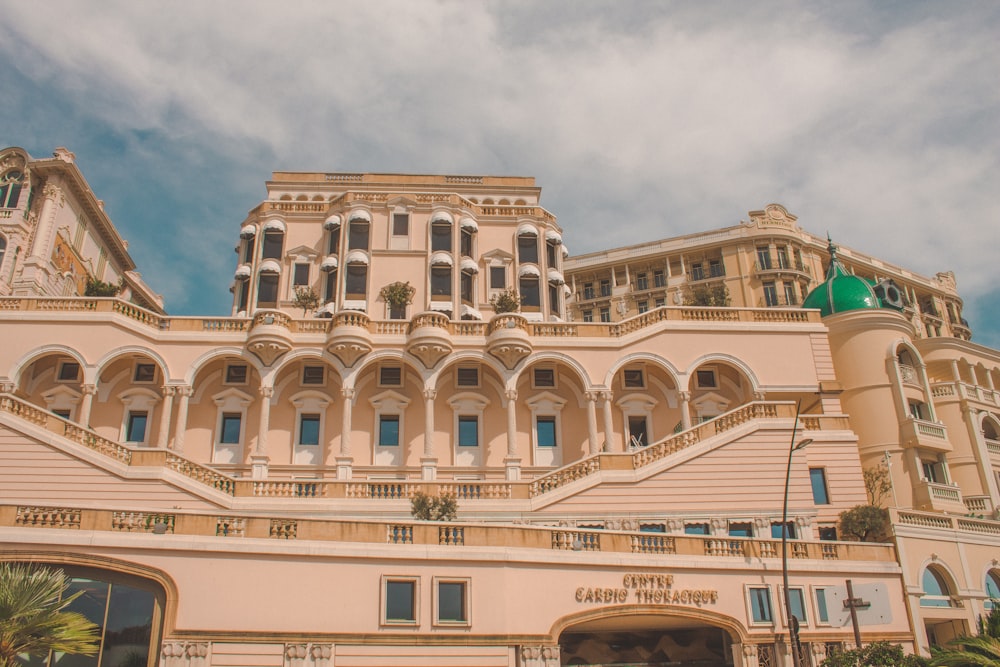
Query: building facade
236, 490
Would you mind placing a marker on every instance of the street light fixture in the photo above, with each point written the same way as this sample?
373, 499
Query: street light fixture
793, 622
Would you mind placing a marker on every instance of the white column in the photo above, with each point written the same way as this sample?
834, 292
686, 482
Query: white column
86, 404
595, 446
345, 461
180, 429
40, 244
259, 458
512, 461
608, 421
685, 397
428, 462
168, 405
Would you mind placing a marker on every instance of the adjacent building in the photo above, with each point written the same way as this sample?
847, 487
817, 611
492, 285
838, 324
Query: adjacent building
237, 490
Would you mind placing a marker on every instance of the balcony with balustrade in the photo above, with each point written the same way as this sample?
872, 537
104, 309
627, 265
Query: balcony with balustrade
924, 434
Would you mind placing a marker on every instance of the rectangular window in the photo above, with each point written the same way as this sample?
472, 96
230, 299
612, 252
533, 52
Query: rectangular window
605, 314
821, 612
465, 285
309, 430
333, 246
817, 476
452, 606
715, 268
706, 379
554, 298
740, 529
642, 281
763, 257
498, 277
273, 242
790, 299
527, 249
782, 253
588, 316
933, 471
330, 291
652, 528
357, 235
229, 434
61, 413
357, 281
468, 431
918, 410
760, 605
633, 378
267, 290
312, 375
544, 377
588, 290
661, 302
770, 294
244, 295
696, 529
467, 377
388, 431
236, 374
550, 253
144, 373
637, 436
659, 279
828, 533
400, 601
776, 530
545, 428
530, 297
301, 277
390, 376
69, 371
697, 271
400, 224
642, 306
440, 281
465, 243
441, 238
605, 287
798, 604
135, 430
248, 247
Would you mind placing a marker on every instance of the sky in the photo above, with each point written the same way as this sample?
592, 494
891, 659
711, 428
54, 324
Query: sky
878, 122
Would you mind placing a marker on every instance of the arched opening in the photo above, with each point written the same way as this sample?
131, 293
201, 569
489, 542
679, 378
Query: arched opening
992, 589
715, 388
646, 641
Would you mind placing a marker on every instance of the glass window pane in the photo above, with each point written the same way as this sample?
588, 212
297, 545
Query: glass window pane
760, 603
824, 616
136, 431
529, 293
357, 278
797, 603
696, 529
267, 289
776, 530
93, 605
399, 601
546, 430
273, 241
358, 236
441, 237
817, 476
388, 431
230, 429
468, 432
451, 601
309, 430
130, 623
527, 249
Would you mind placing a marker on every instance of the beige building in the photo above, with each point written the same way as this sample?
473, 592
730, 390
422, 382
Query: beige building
236, 490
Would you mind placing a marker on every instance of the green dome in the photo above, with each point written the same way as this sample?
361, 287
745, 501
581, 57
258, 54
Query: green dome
841, 292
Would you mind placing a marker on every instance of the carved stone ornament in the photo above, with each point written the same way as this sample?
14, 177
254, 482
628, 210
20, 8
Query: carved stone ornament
349, 351
429, 353
177, 653
268, 351
510, 353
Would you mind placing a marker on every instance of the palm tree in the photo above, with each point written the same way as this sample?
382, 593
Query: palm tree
32, 616
981, 651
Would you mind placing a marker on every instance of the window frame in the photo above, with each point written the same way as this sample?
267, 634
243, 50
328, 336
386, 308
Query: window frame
535, 384
131, 418
466, 584
229, 417
387, 418
821, 608
752, 597
414, 583
467, 385
547, 419
64, 366
309, 375
385, 368
300, 431
824, 485
146, 370
229, 372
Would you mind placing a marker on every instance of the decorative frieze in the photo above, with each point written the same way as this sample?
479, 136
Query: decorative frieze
178, 653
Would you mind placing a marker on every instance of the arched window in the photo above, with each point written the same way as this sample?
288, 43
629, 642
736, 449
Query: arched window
989, 427
992, 588
936, 591
10, 188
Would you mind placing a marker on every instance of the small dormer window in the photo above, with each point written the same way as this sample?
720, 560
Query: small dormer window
144, 373
301, 275
69, 371
390, 376
313, 375
633, 378
467, 377
706, 379
236, 374
544, 377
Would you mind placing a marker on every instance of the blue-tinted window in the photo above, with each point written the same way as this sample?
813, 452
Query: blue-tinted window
309, 430
696, 529
546, 429
797, 603
399, 599
992, 587
817, 476
935, 590
468, 431
742, 529
824, 616
136, 428
230, 429
776, 530
388, 430
760, 605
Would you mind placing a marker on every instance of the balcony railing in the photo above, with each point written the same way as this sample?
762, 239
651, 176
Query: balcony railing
921, 433
770, 268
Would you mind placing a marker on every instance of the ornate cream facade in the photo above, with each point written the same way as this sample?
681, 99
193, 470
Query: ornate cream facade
239, 487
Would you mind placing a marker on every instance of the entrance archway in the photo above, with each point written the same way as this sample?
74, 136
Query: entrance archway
647, 640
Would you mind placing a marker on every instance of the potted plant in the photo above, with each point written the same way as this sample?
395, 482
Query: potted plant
507, 301
398, 295
306, 298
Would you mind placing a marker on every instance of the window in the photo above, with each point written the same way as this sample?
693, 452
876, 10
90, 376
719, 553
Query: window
313, 375
308, 429
554, 298
236, 374
465, 286
992, 588
3, 249
763, 257
652, 528
543, 377
10, 188
468, 431
633, 378
933, 470
400, 601
605, 314
400, 224
65, 414
498, 277
642, 281
760, 605
440, 281
697, 271
452, 605
545, 430
643, 306
782, 254
267, 289
936, 592
776, 530
330, 288
333, 245
588, 316
248, 246
828, 533
637, 436
243, 295
817, 476
588, 290
790, 299
740, 529
301, 275
441, 237
357, 281
659, 279
715, 268
696, 529
550, 254
388, 430
770, 294
605, 287
273, 243
390, 376
918, 410
660, 302
797, 602
706, 379
229, 430
527, 249
357, 236
69, 371
530, 297
465, 243
135, 427
467, 377
144, 373
822, 615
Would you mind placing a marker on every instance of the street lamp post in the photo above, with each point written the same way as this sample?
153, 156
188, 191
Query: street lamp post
793, 622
